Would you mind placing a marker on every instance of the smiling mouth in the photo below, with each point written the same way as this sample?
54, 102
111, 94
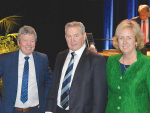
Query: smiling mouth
73, 44
28, 48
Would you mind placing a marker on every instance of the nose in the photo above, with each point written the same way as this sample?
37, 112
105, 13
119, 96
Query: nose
142, 17
28, 43
72, 39
124, 41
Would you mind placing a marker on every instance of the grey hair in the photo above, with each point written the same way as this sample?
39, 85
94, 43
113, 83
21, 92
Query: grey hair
26, 30
75, 24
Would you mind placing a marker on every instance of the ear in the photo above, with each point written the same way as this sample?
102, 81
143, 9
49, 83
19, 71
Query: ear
18, 43
65, 36
84, 36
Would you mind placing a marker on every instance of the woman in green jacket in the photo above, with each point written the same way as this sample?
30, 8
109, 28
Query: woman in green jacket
128, 74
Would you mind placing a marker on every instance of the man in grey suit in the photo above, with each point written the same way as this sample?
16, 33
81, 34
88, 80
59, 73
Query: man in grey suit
26, 76
142, 19
79, 83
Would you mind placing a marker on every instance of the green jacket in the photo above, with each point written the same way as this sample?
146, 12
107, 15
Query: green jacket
130, 92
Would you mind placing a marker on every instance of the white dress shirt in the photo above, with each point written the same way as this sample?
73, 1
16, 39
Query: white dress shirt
33, 99
147, 28
76, 60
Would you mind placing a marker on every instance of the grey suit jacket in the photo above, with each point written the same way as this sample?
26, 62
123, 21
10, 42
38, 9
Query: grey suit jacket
88, 92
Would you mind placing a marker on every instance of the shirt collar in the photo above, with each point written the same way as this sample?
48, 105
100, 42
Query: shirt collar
79, 51
146, 21
21, 55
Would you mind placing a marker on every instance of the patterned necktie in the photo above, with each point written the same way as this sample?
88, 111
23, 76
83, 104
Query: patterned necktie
66, 83
144, 31
24, 88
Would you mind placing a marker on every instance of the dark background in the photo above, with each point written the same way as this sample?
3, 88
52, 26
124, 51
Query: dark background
49, 17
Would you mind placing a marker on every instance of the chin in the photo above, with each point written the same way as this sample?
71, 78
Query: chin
73, 49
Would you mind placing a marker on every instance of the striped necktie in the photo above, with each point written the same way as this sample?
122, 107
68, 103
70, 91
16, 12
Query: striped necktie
66, 83
24, 88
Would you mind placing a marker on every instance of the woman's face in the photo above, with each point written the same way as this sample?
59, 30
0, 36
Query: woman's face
127, 41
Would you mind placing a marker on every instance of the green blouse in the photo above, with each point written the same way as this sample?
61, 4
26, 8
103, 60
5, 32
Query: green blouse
130, 92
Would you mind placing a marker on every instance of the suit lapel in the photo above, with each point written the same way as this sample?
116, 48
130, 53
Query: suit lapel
36, 63
80, 65
139, 21
62, 60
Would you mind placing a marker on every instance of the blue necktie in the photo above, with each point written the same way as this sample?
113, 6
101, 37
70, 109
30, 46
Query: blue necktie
24, 88
66, 83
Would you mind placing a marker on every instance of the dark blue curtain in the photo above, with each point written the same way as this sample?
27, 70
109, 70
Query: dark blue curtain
136, 8
130, 9
108, 24
120, 10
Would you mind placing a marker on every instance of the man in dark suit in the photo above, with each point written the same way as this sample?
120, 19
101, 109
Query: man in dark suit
144, 20
79, 83
26, 76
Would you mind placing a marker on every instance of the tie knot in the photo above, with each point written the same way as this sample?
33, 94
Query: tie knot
143, 21
26, 58
73, 54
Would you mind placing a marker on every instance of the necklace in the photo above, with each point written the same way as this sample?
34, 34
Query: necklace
125, 68
124, 65
130, 64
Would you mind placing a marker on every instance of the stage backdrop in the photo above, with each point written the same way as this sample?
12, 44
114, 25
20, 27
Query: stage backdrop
49, 17
114, 12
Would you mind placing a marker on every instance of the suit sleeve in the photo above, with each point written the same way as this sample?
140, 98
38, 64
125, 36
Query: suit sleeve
1, 66
100, 87
0, 78
51, 93
47, 78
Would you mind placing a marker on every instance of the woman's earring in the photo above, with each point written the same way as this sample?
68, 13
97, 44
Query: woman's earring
136, 45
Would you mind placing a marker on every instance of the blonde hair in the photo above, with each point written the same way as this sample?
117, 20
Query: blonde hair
137, 33
143, 8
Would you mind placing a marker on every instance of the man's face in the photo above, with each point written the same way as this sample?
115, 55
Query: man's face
74, 37
143, 15
27, 43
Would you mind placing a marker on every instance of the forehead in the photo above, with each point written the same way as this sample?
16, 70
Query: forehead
73, 30
143, 13
126, 31
27, 36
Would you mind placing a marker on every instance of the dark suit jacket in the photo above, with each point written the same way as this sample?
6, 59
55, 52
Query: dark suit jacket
138, 20
9, 74
88, 92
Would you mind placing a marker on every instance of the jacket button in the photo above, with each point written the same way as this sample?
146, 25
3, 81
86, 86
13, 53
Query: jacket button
118, 107
120, 77
119, 97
